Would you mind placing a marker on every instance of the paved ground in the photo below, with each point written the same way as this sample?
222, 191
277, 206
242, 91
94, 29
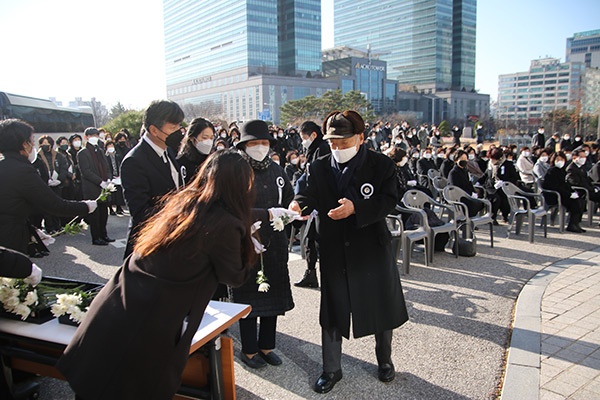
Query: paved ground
453, 347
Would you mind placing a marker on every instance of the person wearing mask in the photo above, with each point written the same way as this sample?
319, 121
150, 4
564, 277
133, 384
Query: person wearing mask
121, 144
525, 165
576, 176
539, 140
459, 177
150, 170
556, 180
57, 168
415, 154
139, 328
197, 144
436, 139
566, 144
355, 246
440, 157
234, 136
95, 176
577, 142
68, 189
273, 190
541, 165
479, 133
492, 183
114, 160
280, 146
405, 179
482, 160
315, 147
23, 191
475, 172
292, 166
425, 164
456, 134
551, 143
412, 138
448, 162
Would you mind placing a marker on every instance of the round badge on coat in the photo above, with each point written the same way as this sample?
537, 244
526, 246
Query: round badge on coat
366, 190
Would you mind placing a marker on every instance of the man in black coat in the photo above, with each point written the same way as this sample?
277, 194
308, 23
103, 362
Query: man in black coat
576, 175
539, 140
456, 134
315, 147
550, 144
95, 176
150, 169
353, 190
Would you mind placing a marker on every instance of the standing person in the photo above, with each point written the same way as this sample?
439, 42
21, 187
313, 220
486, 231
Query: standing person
23, 191
57, 168
68, 189
479, 134
315, 147
95, 176
566, 144
150, 170
114, 160
353, 190
122, 145
195, 148
139, 328
538, 140
74, 147
456, 134
273, 189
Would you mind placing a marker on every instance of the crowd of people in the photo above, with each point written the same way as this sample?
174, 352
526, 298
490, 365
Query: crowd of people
204, 202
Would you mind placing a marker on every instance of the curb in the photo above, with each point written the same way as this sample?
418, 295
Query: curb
522, 376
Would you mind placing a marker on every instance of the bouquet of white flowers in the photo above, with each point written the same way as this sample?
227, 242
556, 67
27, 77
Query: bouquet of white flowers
74, 304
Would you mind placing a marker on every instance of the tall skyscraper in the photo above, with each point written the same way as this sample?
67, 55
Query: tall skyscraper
214, 50
428, 44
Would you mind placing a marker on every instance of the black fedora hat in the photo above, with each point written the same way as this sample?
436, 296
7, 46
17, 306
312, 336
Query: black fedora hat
255, 130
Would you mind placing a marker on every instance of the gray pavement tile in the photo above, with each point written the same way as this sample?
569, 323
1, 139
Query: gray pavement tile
584, 394
593, 387
560, 387
583, 348
572, 378
548, 395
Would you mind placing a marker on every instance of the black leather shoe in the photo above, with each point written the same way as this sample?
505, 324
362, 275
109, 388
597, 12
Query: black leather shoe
327, 381
99, 242
386, 372
309, 280
581, 230
107, 239
270, 358
254, 362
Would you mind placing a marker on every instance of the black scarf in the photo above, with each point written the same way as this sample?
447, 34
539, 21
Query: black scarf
344, 174
256, 165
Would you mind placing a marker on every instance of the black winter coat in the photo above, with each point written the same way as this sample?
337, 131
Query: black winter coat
24, 193
460, 177
359, 277
278, 299
14, 264
131, 344
94, 170
423, 167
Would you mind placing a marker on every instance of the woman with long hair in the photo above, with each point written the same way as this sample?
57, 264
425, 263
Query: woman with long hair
134, 341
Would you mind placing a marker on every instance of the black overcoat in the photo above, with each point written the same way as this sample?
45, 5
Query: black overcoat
131, 344
278, 299
24, 193
94, 170
358, 273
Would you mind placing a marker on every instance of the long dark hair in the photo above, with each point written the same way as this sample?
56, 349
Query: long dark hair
225, 179
194, 129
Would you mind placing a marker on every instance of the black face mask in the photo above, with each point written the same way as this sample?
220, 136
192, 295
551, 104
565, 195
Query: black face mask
121, 144
64, 147
462, 163
46, 148
174, 139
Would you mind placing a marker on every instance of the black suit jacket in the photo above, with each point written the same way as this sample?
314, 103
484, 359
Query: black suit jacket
145, 178
577, 177
91, 175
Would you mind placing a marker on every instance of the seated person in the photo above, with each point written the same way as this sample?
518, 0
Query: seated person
459, 177
576, 175
525, 165
541, 166
424, 164
406, 180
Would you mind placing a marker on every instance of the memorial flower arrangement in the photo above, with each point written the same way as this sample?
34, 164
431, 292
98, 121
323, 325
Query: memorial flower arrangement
111, 187
21, 298
74, 304
259, 248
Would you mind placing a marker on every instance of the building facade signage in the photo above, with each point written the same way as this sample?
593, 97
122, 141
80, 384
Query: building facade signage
370, 66
202, 80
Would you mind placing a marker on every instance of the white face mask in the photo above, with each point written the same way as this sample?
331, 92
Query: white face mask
220, 147
415, 155
204, 146
280, 135
544, 159
258, 152
32, 156
427, 155
110, 150
306, 143
294, 161
567, 137
581, 161
526, 154
223, 135
93, 140
403, 161
559, 164
77, 144
569, 156
344, 155
471, 156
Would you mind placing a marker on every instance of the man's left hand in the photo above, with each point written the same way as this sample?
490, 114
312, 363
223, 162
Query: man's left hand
345, 210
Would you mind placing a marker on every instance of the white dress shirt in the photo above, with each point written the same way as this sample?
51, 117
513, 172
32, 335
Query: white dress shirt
162, 153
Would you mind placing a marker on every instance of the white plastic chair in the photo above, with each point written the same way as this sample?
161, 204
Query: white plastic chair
453, 194
520, 209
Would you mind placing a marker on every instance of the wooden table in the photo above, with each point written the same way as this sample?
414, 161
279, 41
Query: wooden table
36, 348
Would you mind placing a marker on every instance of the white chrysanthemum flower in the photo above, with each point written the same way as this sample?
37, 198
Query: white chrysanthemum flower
77, 315
11, 302
278, 224
58, 309
31, 298
264, 287
22, 310
69, 300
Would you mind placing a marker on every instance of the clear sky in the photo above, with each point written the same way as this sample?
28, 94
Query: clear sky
113, 49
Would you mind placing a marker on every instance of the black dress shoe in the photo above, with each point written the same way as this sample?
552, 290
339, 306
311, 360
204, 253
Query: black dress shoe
270, 358
572, 228
112, 212
254, 362
99, 242
581, 230
107, 239
327, 381
309, 280
386, 372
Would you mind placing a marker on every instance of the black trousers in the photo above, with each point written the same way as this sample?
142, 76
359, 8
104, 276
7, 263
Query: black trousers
312, 248
97, 221
266, 334
331, 342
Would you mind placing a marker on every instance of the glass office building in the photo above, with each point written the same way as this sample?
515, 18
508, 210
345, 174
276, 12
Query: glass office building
428, 45
585, 47
214, 49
